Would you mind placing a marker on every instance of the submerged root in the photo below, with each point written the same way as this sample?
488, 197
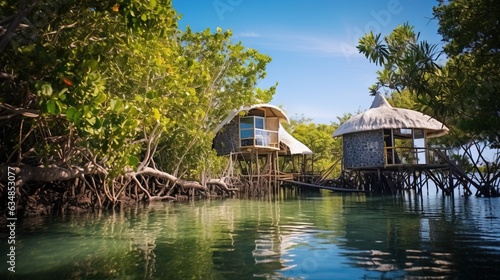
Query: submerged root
47, 190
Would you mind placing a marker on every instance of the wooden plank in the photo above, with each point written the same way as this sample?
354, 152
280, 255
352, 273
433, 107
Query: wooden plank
319, 187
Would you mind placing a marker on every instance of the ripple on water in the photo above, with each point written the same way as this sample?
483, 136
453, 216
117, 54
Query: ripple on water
331, 237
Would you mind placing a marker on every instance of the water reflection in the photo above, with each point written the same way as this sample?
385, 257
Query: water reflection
307, 236
429, 237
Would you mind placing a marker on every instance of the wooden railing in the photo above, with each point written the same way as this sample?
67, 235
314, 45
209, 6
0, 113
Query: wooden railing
262, 138
412, 155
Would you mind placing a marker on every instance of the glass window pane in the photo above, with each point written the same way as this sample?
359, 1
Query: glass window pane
246, 142
259, 123
418, 133
405, 131
246, 122
248, 133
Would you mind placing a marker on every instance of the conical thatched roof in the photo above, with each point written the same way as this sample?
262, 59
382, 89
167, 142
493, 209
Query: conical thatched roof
382, 115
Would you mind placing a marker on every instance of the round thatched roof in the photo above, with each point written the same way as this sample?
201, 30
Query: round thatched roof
382, 115
271, 111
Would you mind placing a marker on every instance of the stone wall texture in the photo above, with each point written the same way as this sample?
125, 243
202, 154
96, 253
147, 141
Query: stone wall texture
363, 149
226, 140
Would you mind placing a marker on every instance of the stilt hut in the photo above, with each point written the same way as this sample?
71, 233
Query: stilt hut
386, 148
254, 139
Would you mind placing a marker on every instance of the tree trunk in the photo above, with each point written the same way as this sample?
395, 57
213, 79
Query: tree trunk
28, 173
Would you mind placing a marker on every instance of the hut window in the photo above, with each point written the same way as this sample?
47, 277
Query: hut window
405, 131
246, 129
253, 132
409, 146
418, 133
246, 123
419, 144
248, 133
259, 123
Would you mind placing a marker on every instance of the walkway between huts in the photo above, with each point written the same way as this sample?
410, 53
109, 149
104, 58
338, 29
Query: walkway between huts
319, 181
303, 184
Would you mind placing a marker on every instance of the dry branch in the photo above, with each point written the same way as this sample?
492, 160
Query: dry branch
220, 182
28, 173
160, 174
20, 111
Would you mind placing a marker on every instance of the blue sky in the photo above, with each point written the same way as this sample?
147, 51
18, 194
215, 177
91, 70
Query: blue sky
312, 43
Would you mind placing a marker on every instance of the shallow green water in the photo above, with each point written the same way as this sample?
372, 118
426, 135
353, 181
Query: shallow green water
308, 236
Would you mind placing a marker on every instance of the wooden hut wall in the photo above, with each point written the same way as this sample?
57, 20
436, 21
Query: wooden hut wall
227, 139
363, 149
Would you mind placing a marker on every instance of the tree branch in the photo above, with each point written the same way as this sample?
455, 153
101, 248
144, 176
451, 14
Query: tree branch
157, 173
7, 76
19, 111
14, 24
28, 173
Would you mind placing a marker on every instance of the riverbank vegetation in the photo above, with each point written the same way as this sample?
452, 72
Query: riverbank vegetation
105, 102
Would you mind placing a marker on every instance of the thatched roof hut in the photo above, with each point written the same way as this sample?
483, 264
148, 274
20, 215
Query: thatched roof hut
384, 135
256, 128
382, 115
267, 110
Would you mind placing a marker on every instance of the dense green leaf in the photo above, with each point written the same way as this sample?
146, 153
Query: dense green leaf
133, 160
46, 90
70, 114
100, 98
116, 105
156, 114
52, 107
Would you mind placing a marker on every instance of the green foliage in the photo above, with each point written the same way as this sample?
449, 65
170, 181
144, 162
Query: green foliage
405, 61
471, 31
463, 93
318, 137
218, 76
123, 84
469, 26
404, 99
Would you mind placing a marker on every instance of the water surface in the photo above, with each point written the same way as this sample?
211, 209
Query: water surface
298, 236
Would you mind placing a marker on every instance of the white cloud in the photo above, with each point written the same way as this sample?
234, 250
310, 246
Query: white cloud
248, 35
316, 45
324, 45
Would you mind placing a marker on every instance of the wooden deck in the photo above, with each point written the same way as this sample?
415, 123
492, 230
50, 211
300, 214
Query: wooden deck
446, 174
